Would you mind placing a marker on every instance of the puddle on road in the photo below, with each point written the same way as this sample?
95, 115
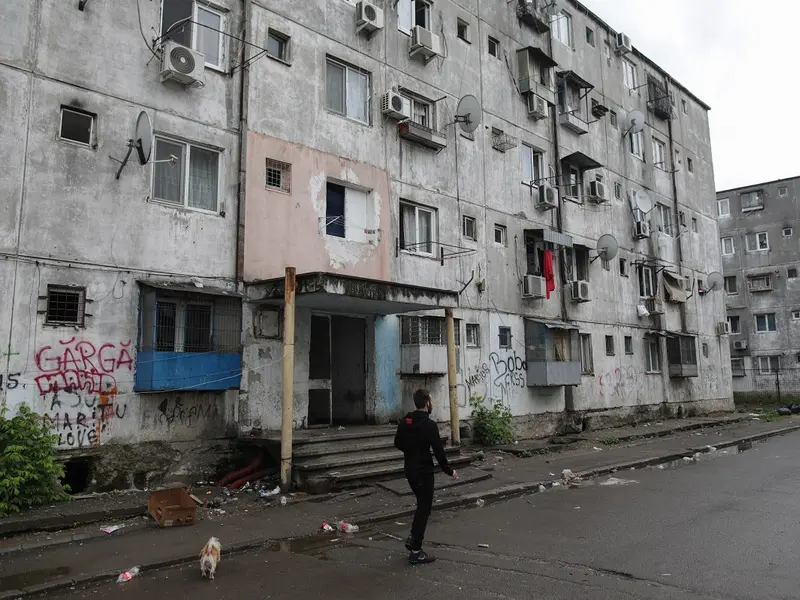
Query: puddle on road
37, 577
319, 544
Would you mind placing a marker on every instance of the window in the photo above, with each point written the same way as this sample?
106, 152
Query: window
347, 91
65, 306
664, 219
723, 207
629, 74
607, 52
278, 45
609, 345
574, 183
628, 344
646, 288
727, 246
422, 14
561, 27
500, 235
731, 284
606, 265
752, 201
473, 335
77, 126
204, 34
587, 359
694, 224
186, 175
652, 355
346, 212
659, 153
417, 228
617, 190
623, 267
705, 349
766, 323
788, 232
685, 108
759, 284
279, 175
581, 254
796, 315
735, 324
532, 165
469, 227
690, 165
636, 144
782, 191
768, 364
427, 331
504, 335
421, 113
463, 30
757, 242
737, 367
791, 273
613, 118
590, 36
494, 47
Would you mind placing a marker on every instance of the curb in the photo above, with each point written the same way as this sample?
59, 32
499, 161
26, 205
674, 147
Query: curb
679, 429
60, 522
500, 493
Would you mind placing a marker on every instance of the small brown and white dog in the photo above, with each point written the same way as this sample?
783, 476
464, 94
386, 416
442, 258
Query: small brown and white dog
210, 556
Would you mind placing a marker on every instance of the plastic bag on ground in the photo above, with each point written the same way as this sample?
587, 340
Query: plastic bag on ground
128, 575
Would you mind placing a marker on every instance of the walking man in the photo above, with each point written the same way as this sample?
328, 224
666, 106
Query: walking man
416, 436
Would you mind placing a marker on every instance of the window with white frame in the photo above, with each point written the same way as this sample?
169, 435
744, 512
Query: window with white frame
462, 30
561, 28
629, 75
347, 91
77, 126
787, 232
783, 191
411, 13
664, 219
636, 144
493, 47
652, 352
768, 364
574, 183
500, 235
759, 283
186, 175
469, 228
421, 112
473, 335
796, 315
279, 175
646, 287
757, 242
753, 200
659, 154
587, 359
417, 228
278, 46
196, 25
532, 165
422, 14
766, 323
735, 324
346, 212
724, 207
727, 246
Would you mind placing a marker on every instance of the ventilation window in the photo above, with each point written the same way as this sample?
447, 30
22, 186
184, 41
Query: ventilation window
279, 176
463, 30
628, 344
494, 47
791, 273
77, 126
782, 191
623, 267
690, 165
609, 345
788, 232
278, 46
65, 305
613, 118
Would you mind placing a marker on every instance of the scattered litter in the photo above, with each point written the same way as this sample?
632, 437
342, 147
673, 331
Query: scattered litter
346, 527
341, 428
711, 448
399, 523
327, 528
208, 493
284, 501
334, 473
499, 458
111, 528
666, 574
633, 468
697, 456
556, 483
269, 493
480, 502
577, 508
687, 459
483, 545
394, 537
542, 488
196, 500
569, 477
617, 481
659, 423
128, 575
552, 474
219, 511
661, 467
596, 449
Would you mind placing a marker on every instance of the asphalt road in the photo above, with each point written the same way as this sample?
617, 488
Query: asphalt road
727, 527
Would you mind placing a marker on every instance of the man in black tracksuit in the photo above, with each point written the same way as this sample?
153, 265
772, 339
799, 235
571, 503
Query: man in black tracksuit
416, 435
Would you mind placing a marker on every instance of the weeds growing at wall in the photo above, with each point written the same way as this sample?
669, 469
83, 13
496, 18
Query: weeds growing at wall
29, 473
491, 421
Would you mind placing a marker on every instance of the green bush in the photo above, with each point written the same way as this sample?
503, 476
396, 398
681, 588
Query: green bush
491, 422
29, 473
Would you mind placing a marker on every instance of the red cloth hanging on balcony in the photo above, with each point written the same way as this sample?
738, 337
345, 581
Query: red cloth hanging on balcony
549, 272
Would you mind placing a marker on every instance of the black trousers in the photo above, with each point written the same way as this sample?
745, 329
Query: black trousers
422, 486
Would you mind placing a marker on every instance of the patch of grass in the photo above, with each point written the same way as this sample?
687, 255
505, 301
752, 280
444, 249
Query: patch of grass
610, 441
772, 415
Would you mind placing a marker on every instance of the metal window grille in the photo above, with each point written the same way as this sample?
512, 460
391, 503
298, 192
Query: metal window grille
431, 331
65, 306
279, 175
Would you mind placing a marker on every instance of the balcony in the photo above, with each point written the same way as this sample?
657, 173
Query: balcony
682, 356
533, 13
658, 99
423, 359
528, 85
424, 136
552, 353
574, 122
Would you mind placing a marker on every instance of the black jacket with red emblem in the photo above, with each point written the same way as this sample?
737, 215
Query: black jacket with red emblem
416, 436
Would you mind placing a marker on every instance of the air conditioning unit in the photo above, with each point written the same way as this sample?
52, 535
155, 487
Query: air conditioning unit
548, 197
740, 345
369, 17
641, 230
597, 192
580, 291
537, 107
534, 287
181, 64
424, 42
623, 44
723, 328
395, 106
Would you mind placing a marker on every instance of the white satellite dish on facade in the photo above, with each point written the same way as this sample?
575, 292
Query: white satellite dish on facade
714, 282
468, 113
142, 142
643, 201
633, 122
607, 247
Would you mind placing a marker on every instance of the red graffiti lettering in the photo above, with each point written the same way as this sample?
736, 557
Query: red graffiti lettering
81, 367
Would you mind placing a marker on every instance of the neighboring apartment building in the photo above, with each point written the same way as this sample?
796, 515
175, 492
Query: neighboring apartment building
759, 226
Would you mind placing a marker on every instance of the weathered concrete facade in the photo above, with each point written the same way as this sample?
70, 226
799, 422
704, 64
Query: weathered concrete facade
456, 212
759, 227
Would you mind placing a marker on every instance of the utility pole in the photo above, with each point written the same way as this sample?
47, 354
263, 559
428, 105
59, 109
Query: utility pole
455, 433
287, 416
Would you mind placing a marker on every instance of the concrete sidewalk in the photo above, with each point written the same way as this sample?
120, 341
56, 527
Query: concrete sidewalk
150, 547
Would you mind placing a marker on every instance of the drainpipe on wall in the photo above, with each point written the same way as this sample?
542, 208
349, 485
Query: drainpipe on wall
676, 207
241, 187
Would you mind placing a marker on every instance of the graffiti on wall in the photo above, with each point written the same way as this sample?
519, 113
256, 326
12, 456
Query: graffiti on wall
622, 382
10, 382
499, 378
80, 420
186, 414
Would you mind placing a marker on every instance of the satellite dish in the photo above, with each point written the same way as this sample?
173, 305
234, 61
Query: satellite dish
714, 282
468, 113
607, 247
634, 122
143, 138
643, 201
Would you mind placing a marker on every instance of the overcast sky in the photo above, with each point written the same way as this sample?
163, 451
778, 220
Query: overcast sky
739, 57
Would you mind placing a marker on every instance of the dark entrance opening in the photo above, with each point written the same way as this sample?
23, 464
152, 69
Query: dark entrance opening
77, 474
348, 372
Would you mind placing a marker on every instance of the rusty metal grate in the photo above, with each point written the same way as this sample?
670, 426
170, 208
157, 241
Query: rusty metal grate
65, 306
279, 175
